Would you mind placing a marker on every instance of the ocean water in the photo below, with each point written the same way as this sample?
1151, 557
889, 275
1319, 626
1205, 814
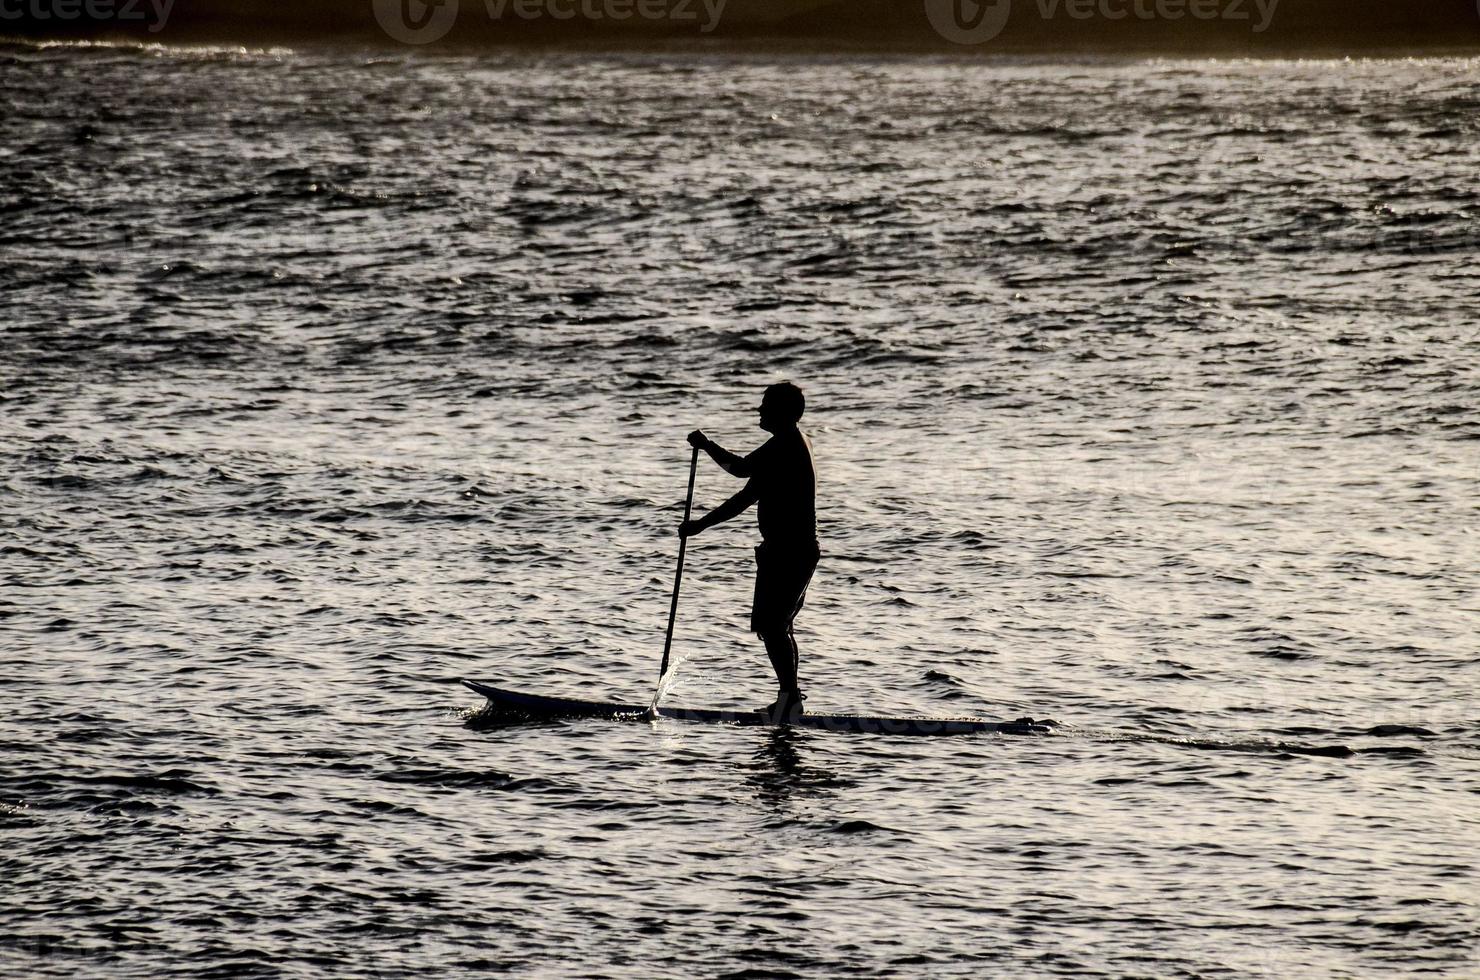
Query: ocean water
1144, 399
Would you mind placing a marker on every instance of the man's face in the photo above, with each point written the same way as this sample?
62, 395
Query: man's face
767, 412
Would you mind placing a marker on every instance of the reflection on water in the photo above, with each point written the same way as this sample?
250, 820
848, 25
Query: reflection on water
779, 770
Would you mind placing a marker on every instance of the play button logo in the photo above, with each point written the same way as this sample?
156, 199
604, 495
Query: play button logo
969, 21
416, 21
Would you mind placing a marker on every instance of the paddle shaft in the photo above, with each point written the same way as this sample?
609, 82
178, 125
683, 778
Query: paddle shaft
688, 502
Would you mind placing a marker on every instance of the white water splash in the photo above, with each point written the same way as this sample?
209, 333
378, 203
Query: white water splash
665, 684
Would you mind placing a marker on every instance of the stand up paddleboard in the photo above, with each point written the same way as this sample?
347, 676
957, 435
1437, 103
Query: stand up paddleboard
515, 705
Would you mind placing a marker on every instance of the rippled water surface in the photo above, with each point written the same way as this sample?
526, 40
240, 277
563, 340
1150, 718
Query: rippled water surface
1144, 396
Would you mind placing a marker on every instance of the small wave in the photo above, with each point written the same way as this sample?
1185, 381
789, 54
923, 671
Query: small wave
860, 827
449, 777
152, 48
66, 481
481, 859
1393, 731
384, 807
172, 781
1399, 751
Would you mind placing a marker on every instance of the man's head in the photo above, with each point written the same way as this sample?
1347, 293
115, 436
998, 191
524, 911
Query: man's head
781, 406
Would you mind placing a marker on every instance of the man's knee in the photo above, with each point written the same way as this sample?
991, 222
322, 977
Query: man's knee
773, 632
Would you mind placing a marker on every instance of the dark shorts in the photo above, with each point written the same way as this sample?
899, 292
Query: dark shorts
781, 578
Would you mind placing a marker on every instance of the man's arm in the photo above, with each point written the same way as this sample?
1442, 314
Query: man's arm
730, 508
740, 466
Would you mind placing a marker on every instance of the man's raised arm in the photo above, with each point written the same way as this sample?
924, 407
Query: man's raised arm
728, 461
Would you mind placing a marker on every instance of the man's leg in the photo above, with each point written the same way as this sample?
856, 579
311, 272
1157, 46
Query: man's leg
780, 588
781, 647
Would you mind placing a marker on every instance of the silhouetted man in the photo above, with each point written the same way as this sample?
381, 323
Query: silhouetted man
783, 482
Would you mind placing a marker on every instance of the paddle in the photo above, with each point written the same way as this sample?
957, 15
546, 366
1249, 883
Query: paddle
677, 578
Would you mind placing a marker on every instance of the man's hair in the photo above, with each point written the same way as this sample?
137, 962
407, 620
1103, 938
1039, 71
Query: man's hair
788, 399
